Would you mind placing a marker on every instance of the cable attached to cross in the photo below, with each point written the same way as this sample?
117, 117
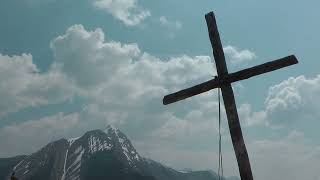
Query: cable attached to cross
220, 169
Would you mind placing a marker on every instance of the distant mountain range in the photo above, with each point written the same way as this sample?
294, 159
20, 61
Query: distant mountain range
105, 155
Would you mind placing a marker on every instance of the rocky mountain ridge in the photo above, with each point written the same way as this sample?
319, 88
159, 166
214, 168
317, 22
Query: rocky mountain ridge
99, 154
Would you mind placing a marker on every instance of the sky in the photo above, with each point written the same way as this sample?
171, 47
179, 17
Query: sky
67, 67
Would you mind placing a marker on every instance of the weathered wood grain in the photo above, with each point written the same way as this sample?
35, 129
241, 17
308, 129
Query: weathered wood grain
224, 80
229, 101
192, 91
261, 69
230, 78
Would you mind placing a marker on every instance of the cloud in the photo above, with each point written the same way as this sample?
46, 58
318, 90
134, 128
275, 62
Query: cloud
122, 85
187, 158
286, 105
171, 24
291, 157
250, 117
288, 157
163, 20
118, 84
31, 135
238, 56
85, 58
292, 100
127, 11
22, 85
108, 70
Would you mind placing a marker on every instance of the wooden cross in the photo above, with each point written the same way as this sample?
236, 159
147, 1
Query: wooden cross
223, 81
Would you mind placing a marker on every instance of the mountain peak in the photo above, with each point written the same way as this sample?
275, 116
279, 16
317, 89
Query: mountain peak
110, 126
89, 155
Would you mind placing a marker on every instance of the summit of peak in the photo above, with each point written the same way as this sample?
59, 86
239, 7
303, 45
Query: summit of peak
111, 128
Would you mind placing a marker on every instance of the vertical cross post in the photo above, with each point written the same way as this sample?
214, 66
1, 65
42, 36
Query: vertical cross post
229, 101
224, 81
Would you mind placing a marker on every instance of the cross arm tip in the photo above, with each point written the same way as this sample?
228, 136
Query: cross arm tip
164, 101
171, 98
210, 15
168, 99
294, 59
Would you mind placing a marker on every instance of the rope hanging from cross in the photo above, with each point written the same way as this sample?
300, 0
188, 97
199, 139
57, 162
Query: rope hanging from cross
220, 166
223, 81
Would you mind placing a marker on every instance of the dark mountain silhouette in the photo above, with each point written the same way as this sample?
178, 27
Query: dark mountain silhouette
97, 154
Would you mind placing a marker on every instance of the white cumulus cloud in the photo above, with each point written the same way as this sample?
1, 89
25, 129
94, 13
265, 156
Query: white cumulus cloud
122, 85
118, 83
287, 104
127, 11
28, 137
22, 85
238, 56
85, 57
293, 100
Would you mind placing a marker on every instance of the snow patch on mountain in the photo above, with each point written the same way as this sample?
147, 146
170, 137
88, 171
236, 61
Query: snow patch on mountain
73, 171
67, 157
72, 140
64, 165
96, 144
16, 166
112, 128
127, 149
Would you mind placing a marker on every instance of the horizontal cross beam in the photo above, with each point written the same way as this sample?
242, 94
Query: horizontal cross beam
230, 78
